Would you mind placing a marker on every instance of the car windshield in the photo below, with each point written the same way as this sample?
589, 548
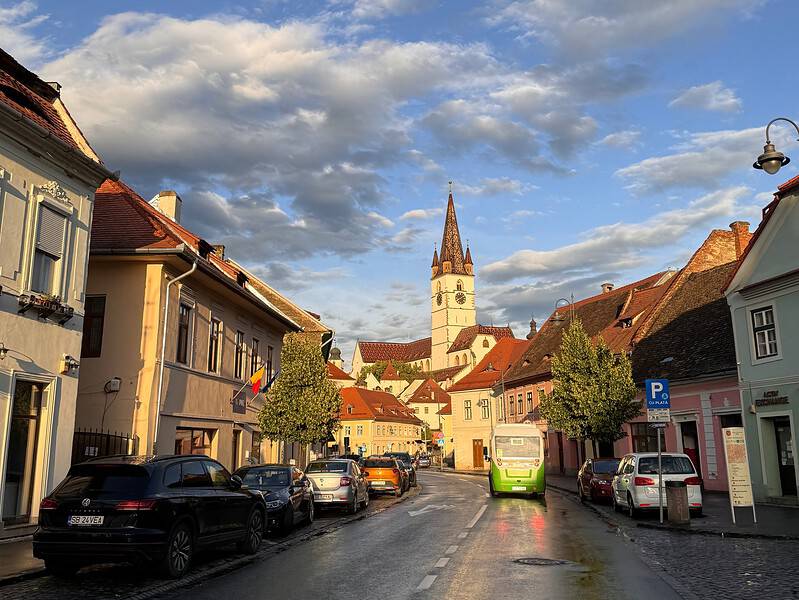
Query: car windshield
115, 481
377, 463
508, 446
331, 466
268, 478
403, 456
605, 467
672, 465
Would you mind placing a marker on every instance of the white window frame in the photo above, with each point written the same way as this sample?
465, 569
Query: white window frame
43, 198
219, 342
750, 312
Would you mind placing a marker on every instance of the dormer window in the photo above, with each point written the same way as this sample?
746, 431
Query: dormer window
626, 323
349, 409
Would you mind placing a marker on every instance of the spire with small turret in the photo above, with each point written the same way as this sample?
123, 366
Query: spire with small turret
451, 259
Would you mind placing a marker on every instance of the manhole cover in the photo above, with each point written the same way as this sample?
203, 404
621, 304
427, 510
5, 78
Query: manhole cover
535, 561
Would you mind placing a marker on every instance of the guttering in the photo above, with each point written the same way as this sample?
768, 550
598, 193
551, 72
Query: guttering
163, 351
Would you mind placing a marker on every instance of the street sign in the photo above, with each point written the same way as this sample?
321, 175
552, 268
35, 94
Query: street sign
738, 478
438, 435
658, 400
658, 415
440, 441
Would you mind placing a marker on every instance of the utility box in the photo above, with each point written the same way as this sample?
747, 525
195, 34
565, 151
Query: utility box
677, 502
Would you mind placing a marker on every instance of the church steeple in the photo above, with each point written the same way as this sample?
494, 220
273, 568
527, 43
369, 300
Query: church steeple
435, 265
452, 260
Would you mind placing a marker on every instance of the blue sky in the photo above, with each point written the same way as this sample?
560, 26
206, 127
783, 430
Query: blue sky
588, 141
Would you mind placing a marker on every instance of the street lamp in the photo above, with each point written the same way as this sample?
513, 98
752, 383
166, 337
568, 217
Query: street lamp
771, 160
570, 303
3, 351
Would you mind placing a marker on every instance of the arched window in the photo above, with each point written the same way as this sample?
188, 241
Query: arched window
465, 359
438, 287
459, 285
485, 343
457, 361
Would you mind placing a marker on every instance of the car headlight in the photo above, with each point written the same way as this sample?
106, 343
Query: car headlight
273, 504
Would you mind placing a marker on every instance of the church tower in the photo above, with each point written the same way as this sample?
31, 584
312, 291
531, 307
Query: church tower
452, 290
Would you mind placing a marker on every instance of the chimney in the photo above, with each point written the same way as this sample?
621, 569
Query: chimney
742, 236
168, 203
607, 287
219, 250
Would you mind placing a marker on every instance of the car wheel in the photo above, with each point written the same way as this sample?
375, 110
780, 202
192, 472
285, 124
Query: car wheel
353, 508
491, 488
310, 517
288, 520
61, 568
365, 502
632, 512
254, 533
179, 552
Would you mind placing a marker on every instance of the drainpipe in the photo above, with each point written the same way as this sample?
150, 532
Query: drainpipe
163, 351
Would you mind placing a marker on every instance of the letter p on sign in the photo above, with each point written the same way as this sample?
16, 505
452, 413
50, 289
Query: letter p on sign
657, 393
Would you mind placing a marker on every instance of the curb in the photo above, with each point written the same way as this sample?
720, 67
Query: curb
22, 576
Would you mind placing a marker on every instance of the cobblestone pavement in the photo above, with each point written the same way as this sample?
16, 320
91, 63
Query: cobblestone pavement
122, 581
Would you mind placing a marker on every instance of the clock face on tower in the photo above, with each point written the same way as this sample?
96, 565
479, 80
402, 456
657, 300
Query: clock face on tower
439, 299
460, 297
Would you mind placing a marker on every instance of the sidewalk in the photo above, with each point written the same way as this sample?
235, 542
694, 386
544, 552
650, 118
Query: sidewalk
773, 522
16, 560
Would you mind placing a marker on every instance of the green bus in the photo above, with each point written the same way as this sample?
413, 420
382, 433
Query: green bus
517, 460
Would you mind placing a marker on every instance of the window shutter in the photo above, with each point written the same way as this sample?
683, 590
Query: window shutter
51, 231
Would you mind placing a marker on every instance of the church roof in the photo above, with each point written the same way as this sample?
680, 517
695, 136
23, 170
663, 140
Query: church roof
429, 391
451, 246
372, 352
468, 260
390, 373
467, 335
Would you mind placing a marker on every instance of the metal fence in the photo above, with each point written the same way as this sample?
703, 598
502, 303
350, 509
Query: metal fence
91, 443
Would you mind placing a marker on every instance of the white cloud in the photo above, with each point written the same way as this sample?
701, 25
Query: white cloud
421, 214
16, 22
380, 9
620, 246
628, 139
710, 96
494, 186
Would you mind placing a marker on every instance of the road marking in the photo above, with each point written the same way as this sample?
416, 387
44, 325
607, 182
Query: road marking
463, 534
452, 550
430, 508
477, 516
462, 479
427, 582
442, 562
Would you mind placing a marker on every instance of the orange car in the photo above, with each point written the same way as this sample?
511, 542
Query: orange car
383, 475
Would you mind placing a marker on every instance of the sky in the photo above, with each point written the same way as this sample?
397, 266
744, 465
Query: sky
586, 141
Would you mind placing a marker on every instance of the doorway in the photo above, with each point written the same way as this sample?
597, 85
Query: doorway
785, 456
477, 454
690, 443
23, 441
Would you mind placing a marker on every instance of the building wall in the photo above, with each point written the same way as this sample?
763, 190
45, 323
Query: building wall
37, 346
449, 317
428, 412
378, 436
465, 431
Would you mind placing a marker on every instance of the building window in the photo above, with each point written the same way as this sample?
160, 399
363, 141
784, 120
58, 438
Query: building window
255, 448
92, 343
529, 401
359, 430
484, 409
501, 409
459, 285
241, 351
213, 345
511, 406
426, 410
645, 439
48, 252
765, 332
347, 430
521, 404
193, 441
731, 420
184, 320
467, 410
255, 359
269, 352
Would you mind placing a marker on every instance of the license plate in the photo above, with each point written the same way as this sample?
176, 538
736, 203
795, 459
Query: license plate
325, 496
378, 482
85, 520
518, 488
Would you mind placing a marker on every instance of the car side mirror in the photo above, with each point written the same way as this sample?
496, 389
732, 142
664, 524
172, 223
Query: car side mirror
486, 456
236, 482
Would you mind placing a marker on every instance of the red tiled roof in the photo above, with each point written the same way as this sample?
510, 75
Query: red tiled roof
390, 373
372, 352
376, 405
467, 335
333, 372
447, 372
445, 410
500, 357
429, 391
24, 92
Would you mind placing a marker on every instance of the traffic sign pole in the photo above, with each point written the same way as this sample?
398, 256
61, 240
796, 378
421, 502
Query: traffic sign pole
660, 477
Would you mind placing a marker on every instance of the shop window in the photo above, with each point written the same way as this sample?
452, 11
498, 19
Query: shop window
644, 437
194, 441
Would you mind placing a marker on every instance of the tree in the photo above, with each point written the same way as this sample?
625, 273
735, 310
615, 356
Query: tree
593, 393
303, 404
405, 370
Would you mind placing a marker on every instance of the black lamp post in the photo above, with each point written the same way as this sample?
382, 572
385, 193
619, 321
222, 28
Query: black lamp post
772, 160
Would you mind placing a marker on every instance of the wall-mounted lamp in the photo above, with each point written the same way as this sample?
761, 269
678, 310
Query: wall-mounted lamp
68, 364
3, 351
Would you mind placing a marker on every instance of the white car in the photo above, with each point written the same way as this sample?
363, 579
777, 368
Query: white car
635, 485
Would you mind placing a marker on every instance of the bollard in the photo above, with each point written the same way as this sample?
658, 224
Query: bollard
677, 502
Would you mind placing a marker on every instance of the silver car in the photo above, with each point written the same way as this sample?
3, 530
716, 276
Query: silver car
338, 482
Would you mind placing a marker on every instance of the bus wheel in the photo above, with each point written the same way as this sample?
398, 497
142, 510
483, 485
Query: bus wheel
491, 487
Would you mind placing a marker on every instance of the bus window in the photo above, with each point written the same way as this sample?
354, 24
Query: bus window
517, 446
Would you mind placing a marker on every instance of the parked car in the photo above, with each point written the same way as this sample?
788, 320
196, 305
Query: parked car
383, 475
635, 485
423, 461
595, 478
406, 463
286, 491
338, 482
136, 508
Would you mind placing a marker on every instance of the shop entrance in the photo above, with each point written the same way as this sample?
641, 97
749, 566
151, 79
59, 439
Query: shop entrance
690, 443
785, 455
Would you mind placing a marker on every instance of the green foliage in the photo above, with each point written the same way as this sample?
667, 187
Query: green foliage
405, 370
594, 391
303, 404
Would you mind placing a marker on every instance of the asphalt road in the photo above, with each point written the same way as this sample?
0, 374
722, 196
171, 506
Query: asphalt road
452, 541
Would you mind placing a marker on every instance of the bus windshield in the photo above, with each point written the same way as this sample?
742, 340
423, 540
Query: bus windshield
511, 446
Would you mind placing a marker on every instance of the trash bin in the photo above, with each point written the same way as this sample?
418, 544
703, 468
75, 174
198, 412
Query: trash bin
677, 502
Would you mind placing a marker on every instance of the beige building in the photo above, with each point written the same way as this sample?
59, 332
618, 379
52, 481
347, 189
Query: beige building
474, 404
374, 422
431, 403
48, 174
218, 331
456, 341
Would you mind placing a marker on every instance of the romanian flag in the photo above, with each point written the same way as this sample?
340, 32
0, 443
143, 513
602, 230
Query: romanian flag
257, 380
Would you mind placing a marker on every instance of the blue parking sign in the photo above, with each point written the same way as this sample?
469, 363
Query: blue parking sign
657, 393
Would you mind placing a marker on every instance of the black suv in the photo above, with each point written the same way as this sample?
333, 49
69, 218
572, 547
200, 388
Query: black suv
135, 508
